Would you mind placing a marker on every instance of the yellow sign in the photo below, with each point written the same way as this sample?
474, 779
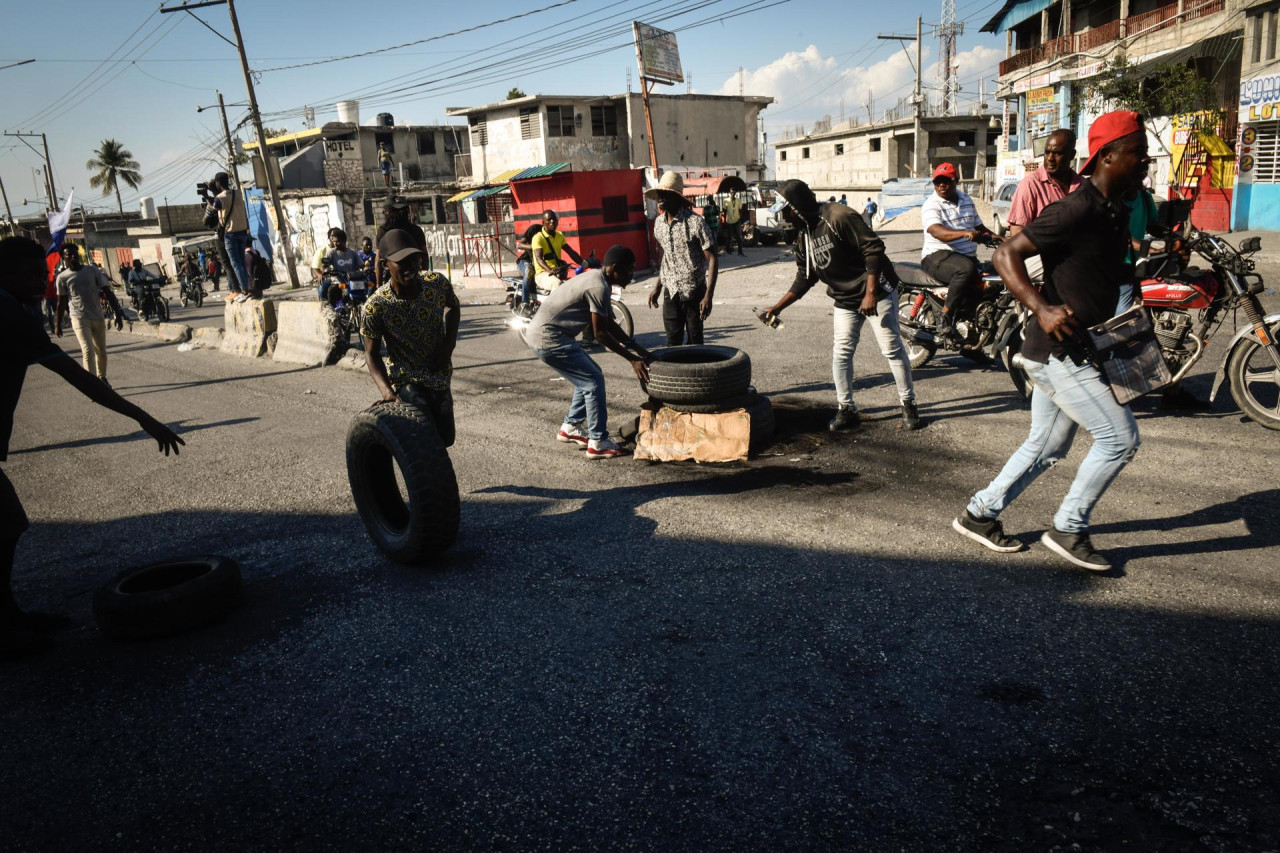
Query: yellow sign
1040, 98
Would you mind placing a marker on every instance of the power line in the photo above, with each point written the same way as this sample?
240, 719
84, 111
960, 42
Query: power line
76, 86
425, 40
209, 28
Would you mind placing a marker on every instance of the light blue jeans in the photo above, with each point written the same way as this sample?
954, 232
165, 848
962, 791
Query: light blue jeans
1066, 397
588, 404
1127, 292
236, 242
848, 331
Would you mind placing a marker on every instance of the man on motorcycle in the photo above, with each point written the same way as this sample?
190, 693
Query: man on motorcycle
952, 231
566, 313
544, 250
139, 278
524, 263
1083, 240
836, 246
1054, 180
416, 314
340, 259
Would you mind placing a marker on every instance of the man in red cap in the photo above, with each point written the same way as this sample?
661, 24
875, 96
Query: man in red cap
952, 231
1082, 240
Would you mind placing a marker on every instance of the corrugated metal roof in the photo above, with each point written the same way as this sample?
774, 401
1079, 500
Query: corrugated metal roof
539, 171
299, 136
467, 195
490, 191
507, 175
458, 196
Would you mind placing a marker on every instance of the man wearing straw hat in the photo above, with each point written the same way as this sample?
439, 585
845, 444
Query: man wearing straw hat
687, 276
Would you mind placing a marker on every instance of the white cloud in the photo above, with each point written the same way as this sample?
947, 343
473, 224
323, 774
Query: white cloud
807, 85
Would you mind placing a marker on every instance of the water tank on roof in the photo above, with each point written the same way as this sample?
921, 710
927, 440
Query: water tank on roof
147, 205
384, 120
349, 111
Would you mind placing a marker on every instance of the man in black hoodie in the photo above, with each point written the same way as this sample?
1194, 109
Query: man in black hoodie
834, 244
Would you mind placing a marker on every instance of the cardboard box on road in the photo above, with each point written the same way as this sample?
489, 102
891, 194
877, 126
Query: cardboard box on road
668, 435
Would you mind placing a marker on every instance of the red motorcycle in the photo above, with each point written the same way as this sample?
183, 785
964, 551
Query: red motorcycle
1188, 305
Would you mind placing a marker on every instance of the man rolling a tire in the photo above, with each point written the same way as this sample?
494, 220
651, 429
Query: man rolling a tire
565, 314
417, 314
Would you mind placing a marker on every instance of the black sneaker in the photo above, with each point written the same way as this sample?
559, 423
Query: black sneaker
989, 533
910, 416
846, 417
1076, 549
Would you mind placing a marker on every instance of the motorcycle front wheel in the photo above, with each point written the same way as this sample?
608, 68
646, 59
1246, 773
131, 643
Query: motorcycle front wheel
162, 311
926, 319
1255, 381
622, 316
1021, 380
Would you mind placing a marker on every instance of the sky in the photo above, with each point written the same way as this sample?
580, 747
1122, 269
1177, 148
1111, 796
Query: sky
119, 69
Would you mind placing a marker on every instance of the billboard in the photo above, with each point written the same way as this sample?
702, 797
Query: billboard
659, 57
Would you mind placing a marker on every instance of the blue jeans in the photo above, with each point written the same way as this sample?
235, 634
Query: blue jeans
571, 362
1065, 397
1125, 302
236, 242
526, 288
848, 330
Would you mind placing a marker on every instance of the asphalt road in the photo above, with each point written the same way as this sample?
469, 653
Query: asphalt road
792, 652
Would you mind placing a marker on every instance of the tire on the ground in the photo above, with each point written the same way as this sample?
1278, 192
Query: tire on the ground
762, 424
390, 435
168, 597
698, 374
728, 404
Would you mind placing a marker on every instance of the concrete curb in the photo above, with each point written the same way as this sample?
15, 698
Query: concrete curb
307, 333
168, 332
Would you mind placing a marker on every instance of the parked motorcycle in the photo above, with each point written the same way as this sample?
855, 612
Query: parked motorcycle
976, 330
515, 284
1172, 293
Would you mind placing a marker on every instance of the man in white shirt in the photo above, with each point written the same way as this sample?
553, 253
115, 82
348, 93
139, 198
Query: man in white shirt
952, 231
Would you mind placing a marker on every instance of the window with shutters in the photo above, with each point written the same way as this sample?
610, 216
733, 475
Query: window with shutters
604, 121
1266, 153
530, 123
614, 208
479, 130
560, 121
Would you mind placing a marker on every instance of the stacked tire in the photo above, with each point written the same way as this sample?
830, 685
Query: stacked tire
707, 380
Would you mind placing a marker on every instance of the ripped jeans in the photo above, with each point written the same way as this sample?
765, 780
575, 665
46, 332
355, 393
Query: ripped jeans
1066, 397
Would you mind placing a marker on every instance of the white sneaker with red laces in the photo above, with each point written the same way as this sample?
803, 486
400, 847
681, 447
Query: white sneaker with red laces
572, 434
602, 448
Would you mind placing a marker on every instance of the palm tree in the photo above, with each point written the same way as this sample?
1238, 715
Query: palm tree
113, 163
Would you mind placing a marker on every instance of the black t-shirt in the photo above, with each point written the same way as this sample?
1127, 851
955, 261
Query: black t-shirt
1083, 240
840, 250
23, 342
527, 237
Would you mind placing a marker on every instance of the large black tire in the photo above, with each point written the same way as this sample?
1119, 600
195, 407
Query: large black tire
168, 597
398, 433
698, 374
762, 424
728, 404
162, 310
1253, 379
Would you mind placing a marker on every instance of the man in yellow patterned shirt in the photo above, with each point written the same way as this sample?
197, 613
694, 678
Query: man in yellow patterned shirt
417, 314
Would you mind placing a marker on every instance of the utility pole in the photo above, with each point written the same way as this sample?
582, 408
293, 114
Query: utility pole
916, 148
48, 165
7, 212
256, 116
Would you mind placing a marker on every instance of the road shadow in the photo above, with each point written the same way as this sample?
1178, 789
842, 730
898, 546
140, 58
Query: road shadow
584, 670
181, 427
1257, 512
158, 387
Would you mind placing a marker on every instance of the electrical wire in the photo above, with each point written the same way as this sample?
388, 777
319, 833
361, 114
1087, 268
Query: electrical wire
425, 40
76, 86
